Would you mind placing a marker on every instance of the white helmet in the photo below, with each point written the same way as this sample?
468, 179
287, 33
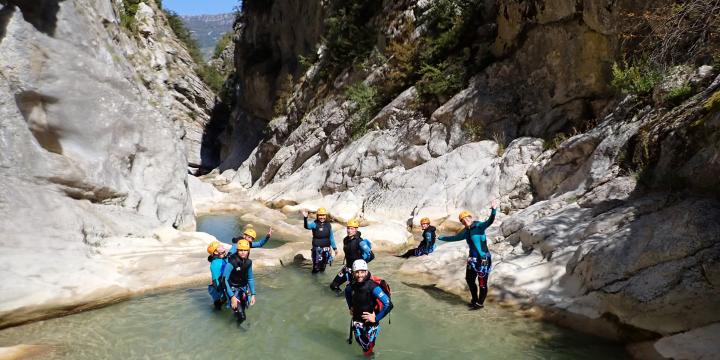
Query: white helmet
359, 264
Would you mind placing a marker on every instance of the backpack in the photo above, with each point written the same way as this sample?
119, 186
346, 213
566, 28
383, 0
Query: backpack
386, 289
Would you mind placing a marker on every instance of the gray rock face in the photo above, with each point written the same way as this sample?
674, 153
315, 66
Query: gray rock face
167, 71
85, 154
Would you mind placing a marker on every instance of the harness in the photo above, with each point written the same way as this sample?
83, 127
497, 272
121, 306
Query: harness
323, 254
481, 267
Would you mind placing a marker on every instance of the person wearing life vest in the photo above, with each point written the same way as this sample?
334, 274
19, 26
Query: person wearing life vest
217, 257
323, 240
427, 244
479, 260
239, 281
249, 234
368, 304
355, 248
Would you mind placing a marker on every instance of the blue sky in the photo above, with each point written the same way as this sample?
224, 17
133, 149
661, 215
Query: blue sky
198, 7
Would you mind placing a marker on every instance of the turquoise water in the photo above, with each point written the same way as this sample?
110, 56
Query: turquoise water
297, 317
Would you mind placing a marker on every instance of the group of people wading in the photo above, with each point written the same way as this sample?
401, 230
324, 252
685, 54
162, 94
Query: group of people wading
367, 296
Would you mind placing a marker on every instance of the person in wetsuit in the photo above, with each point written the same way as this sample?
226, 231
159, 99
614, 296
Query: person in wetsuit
427, 244
323, 240
217, 257
239, 280
363, 296
355, 248
479, 260
249, 234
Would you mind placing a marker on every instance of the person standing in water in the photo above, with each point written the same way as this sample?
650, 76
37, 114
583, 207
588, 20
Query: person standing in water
427, 244
368, 304
249, 235
217, 258
355, 248
479, 260
239, 280
323, 240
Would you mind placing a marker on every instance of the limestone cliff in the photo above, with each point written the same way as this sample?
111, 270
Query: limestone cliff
610, 206
91, 148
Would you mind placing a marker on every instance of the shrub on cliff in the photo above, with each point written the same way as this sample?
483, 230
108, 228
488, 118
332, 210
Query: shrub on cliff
349, 36
222, 44
127, 16
636, 77
449, 51
365, 99
208, 74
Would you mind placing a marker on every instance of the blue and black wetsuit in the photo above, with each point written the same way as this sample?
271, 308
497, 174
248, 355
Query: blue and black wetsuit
239, 281
323, 240
253, 244
364, 297
355, 248
479, 259
426, 246
217, 288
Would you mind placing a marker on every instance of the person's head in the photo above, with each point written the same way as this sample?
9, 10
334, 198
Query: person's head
214, 248
424, 223
249, 234
465, 218
360, 270
243, 248
352, 226
322, 214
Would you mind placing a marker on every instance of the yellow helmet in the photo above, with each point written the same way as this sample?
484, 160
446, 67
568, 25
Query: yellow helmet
213, 246
353, 223
243, 245
425, 220
322, 211
250, 232
464, 214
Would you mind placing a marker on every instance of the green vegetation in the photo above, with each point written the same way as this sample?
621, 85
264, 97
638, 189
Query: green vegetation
712, 104
441, 81
636, 77
348, 36
209, 75
127, 17
679, 94
448, 54
365, 99
222, 44
555, 142
306, 62
474, 129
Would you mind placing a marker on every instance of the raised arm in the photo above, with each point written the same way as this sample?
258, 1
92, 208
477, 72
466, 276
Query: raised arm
486, 224
457, 237
308, 225
384, 299
258, 244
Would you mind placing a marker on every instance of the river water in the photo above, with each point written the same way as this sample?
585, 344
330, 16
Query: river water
297, 317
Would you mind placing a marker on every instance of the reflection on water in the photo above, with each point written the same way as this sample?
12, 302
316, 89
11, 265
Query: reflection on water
296, 317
